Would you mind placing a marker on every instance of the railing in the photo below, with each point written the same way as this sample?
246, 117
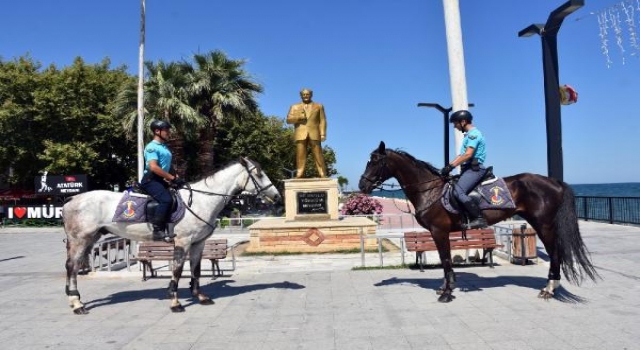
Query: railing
614, 210
109, 254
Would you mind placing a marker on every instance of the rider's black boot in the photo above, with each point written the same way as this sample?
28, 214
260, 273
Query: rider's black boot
160, 231
476, 220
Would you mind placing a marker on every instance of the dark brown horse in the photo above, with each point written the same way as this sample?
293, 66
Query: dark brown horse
545, 203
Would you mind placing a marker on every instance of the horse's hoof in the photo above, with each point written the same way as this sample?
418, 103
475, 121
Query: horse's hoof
446, 298
206, 301
80, 311
177, 308
545, 295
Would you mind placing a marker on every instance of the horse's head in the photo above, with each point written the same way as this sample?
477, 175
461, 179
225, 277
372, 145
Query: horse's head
258, 183
376, 171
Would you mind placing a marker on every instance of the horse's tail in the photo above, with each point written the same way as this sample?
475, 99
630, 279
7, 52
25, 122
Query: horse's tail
574, 257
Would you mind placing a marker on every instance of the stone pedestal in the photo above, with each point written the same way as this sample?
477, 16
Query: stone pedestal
311, 199
312, 223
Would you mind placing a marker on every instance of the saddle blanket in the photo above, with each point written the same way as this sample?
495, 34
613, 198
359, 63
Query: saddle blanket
132, 208
493, 194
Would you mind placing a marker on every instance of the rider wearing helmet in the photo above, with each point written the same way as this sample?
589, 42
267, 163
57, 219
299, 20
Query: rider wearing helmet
158, 173
471, 161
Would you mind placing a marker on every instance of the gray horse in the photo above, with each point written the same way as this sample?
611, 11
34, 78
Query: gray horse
89, 215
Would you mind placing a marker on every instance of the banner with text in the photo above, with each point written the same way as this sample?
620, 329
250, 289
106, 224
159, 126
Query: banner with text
47, 212
65, 185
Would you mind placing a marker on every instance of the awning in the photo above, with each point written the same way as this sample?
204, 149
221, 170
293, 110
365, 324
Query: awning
16, 194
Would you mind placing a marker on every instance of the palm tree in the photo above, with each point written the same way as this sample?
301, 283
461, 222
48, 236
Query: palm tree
166, 98
219, 88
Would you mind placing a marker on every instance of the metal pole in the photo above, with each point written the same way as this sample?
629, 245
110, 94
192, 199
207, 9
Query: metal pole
141, 92
455, 54
548, 33
445, 112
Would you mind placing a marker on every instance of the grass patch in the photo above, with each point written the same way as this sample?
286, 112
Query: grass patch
388, 267
387, 246
342, 251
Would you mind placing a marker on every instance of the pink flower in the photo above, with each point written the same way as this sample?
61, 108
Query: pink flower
360, 204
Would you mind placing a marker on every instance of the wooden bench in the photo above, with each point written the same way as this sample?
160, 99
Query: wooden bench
421, 242
214, 250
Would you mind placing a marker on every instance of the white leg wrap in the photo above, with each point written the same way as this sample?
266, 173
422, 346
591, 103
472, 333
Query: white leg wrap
74, 302
175, 302
553, 284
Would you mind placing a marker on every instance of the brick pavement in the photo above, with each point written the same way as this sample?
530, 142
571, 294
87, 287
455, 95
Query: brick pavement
318, 302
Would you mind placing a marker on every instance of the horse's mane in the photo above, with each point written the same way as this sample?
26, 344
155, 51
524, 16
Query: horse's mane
216, 169
420, 163
224, 166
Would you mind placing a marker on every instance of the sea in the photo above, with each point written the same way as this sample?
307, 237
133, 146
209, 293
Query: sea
622, 189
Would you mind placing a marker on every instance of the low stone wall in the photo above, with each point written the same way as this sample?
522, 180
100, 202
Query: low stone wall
273, 236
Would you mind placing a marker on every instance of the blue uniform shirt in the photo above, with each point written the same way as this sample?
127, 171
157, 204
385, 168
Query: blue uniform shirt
473, 138
159, 152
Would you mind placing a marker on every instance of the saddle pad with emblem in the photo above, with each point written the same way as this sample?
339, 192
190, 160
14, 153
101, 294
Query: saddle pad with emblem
132, 206
494, 194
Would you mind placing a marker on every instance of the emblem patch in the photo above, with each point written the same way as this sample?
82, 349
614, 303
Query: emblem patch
496, 198
129, 212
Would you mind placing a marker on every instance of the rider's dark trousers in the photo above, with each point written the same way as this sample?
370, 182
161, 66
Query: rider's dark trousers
160, 192
468, 180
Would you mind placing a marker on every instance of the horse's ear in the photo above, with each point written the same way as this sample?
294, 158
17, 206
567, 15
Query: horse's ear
381, 148
242, 161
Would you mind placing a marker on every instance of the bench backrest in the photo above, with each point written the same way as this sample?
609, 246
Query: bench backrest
213, 249
423, 241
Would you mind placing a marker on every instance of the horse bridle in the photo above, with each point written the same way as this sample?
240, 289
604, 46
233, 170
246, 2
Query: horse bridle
377, 183
226, 196
250, 178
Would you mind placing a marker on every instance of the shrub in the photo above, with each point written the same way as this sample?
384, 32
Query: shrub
360, 204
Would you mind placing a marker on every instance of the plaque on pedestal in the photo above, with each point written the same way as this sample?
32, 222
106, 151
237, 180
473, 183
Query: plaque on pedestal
311, 199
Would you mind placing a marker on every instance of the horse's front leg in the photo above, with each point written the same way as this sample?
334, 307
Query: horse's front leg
444, 251
195, 260
178, 265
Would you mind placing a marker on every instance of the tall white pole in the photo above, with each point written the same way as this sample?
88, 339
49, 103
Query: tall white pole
456, 62
141, 93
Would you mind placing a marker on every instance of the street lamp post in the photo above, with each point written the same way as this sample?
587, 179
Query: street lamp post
445, 112
291, 172
548, 33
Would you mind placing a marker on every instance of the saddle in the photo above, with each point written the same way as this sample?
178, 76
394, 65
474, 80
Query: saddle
140, 207
490, 193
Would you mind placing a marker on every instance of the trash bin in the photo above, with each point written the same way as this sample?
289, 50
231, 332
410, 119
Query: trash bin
523, 244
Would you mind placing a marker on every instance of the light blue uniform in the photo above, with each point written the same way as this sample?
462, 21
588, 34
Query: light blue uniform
473, 138
159, 152
469, 178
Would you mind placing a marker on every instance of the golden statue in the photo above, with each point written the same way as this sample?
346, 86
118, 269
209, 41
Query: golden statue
310, 128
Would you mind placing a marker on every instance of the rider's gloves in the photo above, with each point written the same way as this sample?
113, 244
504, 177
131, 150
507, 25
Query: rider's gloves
178, 182
446, 170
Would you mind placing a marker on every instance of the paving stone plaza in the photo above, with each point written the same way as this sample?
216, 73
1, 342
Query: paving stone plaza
319, 302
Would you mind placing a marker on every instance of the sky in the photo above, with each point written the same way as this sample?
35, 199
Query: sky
370, 62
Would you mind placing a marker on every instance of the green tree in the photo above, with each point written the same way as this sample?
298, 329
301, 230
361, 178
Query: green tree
268, 140
166, 98
219, 89
342, 182
61, 121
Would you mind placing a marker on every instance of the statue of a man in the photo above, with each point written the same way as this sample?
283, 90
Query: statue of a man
310, 129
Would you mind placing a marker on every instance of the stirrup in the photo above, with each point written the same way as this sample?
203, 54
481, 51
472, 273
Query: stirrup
476, 224
162, 236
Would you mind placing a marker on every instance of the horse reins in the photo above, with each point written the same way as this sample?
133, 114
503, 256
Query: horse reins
377, 183
226, 196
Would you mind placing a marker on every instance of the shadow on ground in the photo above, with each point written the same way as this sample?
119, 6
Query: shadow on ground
471, 282
218, 289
